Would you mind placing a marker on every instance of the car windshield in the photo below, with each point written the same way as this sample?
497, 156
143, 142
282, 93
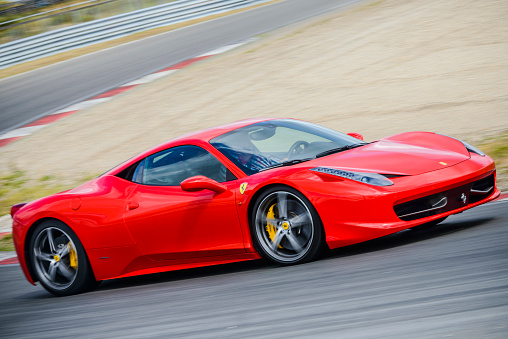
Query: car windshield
276, 143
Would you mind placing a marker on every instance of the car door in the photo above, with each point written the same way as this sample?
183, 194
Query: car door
168, 223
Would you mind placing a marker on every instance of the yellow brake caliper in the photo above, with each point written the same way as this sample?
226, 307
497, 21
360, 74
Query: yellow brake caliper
270, 228
73, 257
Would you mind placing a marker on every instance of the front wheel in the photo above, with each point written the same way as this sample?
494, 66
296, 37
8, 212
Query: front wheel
285, 227
59, 260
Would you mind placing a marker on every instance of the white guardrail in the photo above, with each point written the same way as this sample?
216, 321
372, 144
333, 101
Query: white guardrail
117, 26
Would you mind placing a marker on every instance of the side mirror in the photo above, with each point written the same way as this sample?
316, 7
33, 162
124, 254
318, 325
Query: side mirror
200, 182
356, 135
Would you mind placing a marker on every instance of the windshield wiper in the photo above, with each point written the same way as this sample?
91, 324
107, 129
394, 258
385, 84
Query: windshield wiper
338, 149
285, 163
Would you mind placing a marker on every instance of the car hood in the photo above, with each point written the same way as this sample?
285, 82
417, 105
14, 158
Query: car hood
392, 157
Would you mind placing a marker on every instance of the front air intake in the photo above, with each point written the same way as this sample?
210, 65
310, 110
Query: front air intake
446, 201
482, 188
421, 208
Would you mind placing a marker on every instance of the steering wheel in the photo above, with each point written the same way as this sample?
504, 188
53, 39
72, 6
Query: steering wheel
297, 148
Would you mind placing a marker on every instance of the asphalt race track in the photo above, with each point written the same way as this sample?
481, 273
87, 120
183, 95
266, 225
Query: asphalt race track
31, 95
448, 281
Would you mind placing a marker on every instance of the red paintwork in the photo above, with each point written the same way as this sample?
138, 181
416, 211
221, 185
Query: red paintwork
129, 229
15, 208
387, 156
200, 182
356, 135
172, 224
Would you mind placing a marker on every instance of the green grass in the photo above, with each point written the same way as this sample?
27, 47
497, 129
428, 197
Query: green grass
7, 3
6, 243
33, 11
497, 148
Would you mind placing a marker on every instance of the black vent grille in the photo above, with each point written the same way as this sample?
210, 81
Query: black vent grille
422, 207
446, 201
482, 188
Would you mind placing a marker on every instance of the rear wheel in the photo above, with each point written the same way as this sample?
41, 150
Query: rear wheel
285, 227
59, 260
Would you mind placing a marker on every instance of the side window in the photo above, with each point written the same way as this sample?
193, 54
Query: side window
172, 166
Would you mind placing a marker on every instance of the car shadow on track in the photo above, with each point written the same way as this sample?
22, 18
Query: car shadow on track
405, 237
409, 236
191, 273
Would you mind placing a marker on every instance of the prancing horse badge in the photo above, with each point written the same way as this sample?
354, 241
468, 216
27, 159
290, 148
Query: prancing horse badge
243, 187
463, 198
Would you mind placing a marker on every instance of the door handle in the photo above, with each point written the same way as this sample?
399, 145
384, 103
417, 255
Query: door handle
132, 205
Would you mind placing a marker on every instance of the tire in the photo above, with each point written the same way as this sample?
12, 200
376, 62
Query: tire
285, 227
59, 260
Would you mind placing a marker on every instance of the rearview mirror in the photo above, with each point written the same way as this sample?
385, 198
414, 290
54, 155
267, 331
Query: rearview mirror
356, 135
200, 182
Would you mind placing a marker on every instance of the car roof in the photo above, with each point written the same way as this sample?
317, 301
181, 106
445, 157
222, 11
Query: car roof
200, 138
210, 133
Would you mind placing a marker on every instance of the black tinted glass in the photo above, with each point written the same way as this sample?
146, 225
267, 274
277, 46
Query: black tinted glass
172, 166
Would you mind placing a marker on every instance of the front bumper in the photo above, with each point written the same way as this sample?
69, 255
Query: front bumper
349, 221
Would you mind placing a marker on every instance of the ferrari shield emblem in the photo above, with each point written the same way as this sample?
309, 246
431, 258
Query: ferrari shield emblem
243, 187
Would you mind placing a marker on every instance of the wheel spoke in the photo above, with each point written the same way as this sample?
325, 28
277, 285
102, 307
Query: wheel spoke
63, 252
43, 256
300, 220
52, 271
265, 221
261, 218
66, 272
276, 240
282, 204
294, 242
51, 242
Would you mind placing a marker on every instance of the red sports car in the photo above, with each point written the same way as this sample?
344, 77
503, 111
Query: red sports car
280, 189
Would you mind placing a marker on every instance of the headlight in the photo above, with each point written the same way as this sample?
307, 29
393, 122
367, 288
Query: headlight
470, 148
367, 178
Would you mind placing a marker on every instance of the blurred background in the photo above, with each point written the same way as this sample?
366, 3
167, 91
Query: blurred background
20, 19
373, 67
